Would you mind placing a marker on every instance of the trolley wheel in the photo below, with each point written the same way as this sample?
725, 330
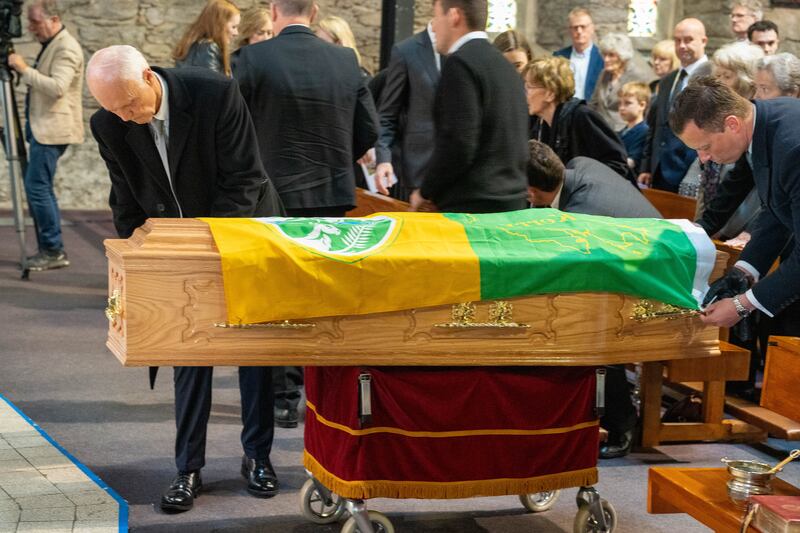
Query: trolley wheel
380, 524
586, 522
539, 501
313, 507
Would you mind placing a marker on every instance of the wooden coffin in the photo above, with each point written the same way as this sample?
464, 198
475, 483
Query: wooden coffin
167, 307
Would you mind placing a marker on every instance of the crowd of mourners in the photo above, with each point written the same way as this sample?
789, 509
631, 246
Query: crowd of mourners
271, 112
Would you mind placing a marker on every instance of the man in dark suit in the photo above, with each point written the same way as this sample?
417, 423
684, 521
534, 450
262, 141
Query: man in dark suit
722, 126
589, 187
405, 143
314, 118
666, 159
584, 58
481, 117
584, 185
180, 143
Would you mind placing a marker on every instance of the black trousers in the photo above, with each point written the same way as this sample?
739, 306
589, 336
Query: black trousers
287, 381
620, 415
193, 408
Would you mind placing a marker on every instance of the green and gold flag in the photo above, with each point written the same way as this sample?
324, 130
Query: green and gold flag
286, 268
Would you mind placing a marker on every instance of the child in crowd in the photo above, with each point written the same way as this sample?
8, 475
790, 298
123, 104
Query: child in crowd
633, 99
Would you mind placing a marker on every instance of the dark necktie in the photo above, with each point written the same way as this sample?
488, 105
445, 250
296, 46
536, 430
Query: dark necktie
678, 83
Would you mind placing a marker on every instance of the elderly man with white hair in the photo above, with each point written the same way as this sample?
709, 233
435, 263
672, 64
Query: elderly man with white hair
180, 143
620, 68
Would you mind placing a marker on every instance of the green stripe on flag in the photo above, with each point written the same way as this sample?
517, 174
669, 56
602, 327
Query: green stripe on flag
648, 258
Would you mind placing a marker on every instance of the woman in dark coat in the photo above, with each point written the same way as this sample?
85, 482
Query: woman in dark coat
207, 42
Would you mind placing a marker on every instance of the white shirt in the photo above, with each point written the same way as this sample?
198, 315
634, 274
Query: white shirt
579, 63
690, 70
159, 129
744, 265
436, 55
464, 39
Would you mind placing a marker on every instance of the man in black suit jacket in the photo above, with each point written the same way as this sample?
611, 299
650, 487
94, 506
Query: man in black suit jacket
481, 117
722, 126
314, 118
405, 143
313, 113
180, 143
666, 159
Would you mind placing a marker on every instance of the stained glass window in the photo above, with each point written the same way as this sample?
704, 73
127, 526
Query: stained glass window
502, 15
642, 18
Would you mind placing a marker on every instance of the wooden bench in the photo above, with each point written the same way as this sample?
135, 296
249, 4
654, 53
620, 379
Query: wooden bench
779, 412
701, 493
671, 205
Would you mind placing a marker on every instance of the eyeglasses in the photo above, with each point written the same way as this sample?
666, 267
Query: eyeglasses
740, 15
531, 87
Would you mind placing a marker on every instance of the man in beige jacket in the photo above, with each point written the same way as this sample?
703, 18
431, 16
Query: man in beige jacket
54, 120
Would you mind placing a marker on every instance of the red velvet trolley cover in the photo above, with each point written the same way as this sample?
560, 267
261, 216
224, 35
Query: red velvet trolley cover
452, 432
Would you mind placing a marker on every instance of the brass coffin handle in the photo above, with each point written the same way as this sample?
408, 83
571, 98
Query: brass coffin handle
114, 306
266, 325
645, 310
500, 317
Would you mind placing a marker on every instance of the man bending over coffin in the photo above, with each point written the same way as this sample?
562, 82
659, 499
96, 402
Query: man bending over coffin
180, 143
589, 187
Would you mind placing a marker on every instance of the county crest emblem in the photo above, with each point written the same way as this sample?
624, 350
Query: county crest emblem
340, 239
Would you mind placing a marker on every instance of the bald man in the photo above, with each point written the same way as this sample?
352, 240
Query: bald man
666, 159
180, 143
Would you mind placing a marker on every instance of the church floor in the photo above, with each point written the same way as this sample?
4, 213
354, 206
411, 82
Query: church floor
55, 369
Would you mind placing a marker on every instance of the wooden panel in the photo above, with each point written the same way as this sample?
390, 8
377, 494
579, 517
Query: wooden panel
172, 299
701, 493
671, 205
781, 376
733, 366
371, 202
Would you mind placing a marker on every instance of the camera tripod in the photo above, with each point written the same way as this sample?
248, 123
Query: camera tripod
15, 155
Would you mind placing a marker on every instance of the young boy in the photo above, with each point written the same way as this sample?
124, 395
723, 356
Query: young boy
633, 99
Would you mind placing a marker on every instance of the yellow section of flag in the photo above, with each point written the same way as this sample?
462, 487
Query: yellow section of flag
281, 268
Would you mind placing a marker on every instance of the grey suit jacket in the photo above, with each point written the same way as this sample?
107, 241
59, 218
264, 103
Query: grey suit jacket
406, 110
591, 188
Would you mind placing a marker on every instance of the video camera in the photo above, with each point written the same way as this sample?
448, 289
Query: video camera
10, 26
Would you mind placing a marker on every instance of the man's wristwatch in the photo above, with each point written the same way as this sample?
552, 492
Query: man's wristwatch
741, 310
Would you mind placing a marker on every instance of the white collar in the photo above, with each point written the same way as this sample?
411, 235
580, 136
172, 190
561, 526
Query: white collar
431, 35
163, 109
694, 66
466, 38
585, 53
752, 136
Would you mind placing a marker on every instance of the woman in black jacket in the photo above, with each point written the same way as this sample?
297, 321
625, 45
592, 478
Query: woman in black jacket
207, 42
566, 124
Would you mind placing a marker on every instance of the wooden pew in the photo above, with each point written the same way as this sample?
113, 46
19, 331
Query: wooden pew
671, 205
779, 412
371, 202
707, 376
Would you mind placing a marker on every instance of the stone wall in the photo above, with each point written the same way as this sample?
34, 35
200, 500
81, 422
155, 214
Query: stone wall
154, 26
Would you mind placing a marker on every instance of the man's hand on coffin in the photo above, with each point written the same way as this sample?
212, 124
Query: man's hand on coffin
735, 281
418, 203
723, 313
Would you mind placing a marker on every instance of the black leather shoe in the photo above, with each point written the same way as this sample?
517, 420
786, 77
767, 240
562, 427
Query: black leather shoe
181, 493
260, 476
286, 418
621, 448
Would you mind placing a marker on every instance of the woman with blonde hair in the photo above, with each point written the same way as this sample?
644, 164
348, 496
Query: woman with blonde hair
336, 30
663, 60
565, 123
735, 65
255, 27
207, 42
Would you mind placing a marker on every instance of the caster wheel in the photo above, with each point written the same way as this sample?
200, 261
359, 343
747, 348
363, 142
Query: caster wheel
539, 501
313, 507
585, 522
380, 524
